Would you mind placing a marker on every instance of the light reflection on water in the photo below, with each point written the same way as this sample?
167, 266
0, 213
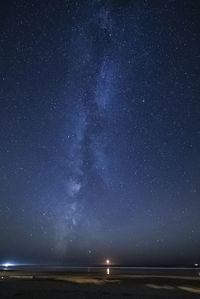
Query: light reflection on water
111, 270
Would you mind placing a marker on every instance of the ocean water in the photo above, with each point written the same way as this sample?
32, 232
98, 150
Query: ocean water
112, 270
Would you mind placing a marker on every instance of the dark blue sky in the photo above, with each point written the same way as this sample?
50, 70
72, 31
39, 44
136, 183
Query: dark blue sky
100, 131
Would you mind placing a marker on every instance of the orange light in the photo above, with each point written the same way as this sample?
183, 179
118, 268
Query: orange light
108, 262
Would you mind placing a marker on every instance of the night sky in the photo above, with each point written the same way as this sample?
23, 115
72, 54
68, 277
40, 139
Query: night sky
100, 132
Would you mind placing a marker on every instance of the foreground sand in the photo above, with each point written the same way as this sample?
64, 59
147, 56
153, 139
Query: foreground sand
81, 286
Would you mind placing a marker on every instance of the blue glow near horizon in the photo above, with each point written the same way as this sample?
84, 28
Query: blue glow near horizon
8, 264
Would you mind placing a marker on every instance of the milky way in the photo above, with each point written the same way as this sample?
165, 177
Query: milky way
87, 140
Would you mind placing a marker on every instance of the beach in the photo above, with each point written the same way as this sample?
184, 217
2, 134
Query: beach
24, 284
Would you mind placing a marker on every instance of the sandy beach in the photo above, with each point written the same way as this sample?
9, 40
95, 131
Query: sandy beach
33, 285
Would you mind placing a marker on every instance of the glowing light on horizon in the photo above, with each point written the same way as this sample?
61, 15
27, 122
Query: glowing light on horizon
108, 262
7, 265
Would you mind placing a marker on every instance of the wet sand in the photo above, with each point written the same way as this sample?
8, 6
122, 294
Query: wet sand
15, 284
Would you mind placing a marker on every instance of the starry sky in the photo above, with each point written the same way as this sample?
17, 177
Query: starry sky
100, 132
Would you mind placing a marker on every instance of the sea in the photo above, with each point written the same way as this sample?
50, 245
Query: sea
109, 270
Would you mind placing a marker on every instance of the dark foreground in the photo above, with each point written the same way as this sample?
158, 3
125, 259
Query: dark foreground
34, 285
